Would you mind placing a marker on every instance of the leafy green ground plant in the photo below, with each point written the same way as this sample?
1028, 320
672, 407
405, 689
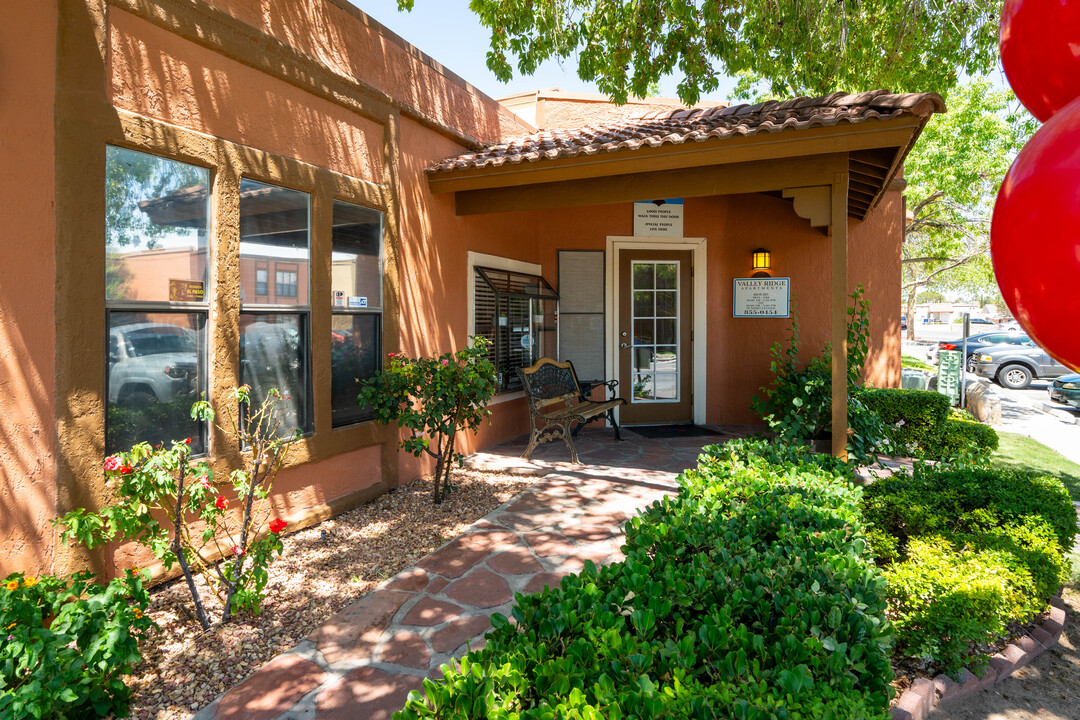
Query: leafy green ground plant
751, 594
67, 643
965, 552
177, 509
434, 399
797, 405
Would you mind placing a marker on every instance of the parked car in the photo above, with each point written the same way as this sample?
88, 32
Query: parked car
977, 342
1066, 390
151, 362
903, 322
1015, 366
980, 321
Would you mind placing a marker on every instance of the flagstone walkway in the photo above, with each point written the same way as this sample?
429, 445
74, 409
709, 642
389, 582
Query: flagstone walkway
364, 661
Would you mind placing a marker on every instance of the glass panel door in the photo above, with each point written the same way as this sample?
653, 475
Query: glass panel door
655, 319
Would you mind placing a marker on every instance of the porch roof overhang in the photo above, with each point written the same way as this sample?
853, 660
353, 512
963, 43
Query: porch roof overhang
771, 147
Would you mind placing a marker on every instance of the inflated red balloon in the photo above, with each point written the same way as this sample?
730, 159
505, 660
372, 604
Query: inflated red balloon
1040, 49
1035, 236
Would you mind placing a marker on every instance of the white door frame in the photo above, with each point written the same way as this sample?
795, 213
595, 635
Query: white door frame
616, 244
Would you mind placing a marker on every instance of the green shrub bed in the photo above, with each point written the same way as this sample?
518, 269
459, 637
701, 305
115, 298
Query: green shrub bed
921, 424
750, 594
966, 552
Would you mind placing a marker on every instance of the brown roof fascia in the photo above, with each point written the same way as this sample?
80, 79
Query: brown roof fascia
893, 133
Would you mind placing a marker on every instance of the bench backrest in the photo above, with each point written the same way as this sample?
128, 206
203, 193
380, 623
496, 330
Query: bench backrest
548, 381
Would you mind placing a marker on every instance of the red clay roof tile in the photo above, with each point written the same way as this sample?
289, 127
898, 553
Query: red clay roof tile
698, 125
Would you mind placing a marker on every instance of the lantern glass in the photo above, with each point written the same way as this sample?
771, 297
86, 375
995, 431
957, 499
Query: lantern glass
762, 259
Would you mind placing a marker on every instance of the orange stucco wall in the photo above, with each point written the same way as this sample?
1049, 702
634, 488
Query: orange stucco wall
349, 42
157, 74
27, 406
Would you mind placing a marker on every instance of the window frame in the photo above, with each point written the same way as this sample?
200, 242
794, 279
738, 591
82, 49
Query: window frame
347, 311
303, 311
170, 307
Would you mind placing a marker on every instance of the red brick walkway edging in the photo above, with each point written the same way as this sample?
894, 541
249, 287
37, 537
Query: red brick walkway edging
917, 702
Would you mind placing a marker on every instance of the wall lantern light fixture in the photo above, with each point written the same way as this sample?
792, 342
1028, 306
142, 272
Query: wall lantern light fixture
762, 262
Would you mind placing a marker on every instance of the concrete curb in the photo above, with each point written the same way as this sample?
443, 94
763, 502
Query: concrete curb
919, 700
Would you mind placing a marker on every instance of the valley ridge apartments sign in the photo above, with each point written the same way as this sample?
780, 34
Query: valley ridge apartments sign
762, 297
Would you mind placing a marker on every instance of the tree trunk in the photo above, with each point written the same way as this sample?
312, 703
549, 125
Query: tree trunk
911, 312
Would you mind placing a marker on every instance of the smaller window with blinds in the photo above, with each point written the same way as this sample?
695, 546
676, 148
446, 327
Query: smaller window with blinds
517, 312
356, 318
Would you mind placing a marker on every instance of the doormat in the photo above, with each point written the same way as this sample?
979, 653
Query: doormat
663, 432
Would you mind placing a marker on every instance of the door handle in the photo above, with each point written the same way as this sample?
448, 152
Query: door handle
623, 345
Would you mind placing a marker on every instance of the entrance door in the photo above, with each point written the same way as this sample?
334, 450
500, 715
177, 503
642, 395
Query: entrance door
654, 327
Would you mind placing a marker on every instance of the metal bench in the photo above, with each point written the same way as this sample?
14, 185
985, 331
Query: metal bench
556, 402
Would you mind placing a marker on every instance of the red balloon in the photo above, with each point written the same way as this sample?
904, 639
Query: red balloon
1035, 236
1040, 49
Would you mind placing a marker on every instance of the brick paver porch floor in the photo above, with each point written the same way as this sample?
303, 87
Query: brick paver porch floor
364, 661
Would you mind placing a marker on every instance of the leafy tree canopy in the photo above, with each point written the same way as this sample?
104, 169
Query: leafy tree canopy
953, 173
793, 46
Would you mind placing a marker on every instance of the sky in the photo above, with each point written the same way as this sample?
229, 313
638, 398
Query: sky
449, 32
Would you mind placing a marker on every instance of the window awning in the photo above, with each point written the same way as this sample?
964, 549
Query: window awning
508, 283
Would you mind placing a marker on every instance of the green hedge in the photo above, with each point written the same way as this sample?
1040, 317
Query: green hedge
965, 552
914, 418
750, 594
920, 423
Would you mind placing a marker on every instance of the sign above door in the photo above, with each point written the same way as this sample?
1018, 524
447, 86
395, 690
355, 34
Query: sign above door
659, 218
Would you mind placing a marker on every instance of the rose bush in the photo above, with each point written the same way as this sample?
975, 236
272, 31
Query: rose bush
174, 507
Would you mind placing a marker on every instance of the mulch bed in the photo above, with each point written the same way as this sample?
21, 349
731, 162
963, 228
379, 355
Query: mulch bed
324, 568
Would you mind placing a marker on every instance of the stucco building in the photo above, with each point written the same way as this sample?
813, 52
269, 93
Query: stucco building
205, 193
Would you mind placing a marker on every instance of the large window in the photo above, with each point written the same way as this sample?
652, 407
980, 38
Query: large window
517, 312
356, 321
156, 250
286, 284
274, 341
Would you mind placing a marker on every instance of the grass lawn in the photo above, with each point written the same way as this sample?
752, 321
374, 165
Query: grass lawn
907, 361
1019, 452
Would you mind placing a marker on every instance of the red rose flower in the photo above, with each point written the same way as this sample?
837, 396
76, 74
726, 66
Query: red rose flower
277, 525
187, 441
125, 469
112, 463
237, 550
221, 503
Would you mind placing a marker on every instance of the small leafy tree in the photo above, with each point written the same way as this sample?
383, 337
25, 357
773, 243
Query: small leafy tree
798, 404
435, 399
175, 507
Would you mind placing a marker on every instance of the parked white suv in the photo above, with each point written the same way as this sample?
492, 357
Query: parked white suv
151, 362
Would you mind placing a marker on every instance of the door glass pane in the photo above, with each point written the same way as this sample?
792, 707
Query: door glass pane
643, 276
643, 387
274, 233
666, 275
643, 304
666, 358
643, 332
666, 331
156, 228
665, 304
666, 386
155, 373
643, 359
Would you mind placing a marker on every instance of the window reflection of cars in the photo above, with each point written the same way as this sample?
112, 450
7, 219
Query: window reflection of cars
151, 362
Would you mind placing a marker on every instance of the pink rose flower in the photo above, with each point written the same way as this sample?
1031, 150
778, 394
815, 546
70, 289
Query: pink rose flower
237, 550
112, 463
204, 481
445, 362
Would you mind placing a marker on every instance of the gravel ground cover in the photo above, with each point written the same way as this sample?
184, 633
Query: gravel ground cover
324, 568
